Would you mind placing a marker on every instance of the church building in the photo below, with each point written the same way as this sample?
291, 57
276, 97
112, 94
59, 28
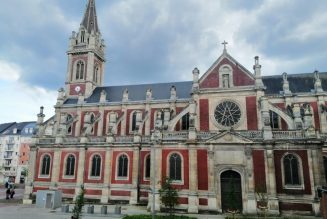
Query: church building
229, 139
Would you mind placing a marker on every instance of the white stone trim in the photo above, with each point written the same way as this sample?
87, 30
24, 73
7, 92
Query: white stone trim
301, 186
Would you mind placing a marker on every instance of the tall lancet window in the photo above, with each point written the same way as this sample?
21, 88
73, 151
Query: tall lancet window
70, 165
95, 74
96, 166
45, 168
175, 167
291, 170
80, 70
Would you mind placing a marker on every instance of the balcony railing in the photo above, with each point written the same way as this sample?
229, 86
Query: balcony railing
288, 135
47, 140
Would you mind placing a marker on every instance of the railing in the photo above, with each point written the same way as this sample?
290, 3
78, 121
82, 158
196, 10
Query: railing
9, 148
206, 135
71, 140
250, 134
97, 139
175, 135
47, 140
146, 139
124, 139
288, 135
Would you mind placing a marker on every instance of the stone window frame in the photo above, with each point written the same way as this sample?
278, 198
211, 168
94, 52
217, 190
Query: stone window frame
176, 182
41, 166
147, 156
301, 186
78, 61
108, 121
91, 164
117, 167
230, 74
131, 120
65, 176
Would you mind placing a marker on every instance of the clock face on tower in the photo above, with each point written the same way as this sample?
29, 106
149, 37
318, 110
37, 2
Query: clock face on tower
77, 89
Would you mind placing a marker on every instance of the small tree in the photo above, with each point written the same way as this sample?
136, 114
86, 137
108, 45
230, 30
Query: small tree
79, 203
168, 195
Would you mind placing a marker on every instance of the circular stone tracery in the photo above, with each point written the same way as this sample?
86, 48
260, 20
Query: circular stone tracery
227, 113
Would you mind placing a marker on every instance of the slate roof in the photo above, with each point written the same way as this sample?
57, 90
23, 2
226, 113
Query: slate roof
299, 83
5, 126
20, 127
160, 91
90, 21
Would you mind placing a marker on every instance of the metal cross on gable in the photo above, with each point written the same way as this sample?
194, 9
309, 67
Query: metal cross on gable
224, 43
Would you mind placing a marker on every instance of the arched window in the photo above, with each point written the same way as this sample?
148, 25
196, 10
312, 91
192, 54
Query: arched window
69, 120
70, 165
134, 121
185, 122
291, 170
147, 167
95, 74
96, 166
80, 70
122, 166
274, 120
45, 167
175, 167
82, 36
325, 166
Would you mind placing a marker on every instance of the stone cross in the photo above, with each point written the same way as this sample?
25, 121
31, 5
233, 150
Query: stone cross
224, 43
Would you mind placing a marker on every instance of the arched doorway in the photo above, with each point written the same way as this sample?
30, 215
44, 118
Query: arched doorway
231, 191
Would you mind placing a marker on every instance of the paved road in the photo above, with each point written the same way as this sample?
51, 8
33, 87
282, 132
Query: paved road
18, 193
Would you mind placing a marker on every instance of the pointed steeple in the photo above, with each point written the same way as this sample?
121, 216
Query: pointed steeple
90, 21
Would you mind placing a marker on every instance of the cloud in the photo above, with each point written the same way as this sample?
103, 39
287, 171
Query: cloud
9, 71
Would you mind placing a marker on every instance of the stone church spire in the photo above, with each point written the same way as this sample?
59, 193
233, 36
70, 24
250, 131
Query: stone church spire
90, 21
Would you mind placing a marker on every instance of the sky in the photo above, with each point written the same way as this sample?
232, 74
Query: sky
149, 41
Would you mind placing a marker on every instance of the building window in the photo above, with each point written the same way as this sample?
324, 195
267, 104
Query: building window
291, 170
175, 167
122, 166
69, 120
325, 166
45, 167
96, 166
95, 74
274, 120
147, 167
82, 36
134, 121
80, 70
70, 165
185, 122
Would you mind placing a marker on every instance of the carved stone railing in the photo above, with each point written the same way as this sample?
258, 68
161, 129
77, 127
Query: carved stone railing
288, 135
72, 140
97, 139
168, 136
124, 139
206, 135
250, 134
146, 139
47, 140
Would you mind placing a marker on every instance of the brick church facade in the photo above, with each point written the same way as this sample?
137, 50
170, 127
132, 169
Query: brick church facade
230, 139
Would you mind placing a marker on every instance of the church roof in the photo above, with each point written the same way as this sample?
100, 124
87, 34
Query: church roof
5, 126
299, 83
90, 21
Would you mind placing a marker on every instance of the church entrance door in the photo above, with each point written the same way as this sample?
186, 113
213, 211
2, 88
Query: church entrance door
231, 191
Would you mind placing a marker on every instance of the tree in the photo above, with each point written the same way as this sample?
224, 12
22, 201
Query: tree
168, 195
79, 203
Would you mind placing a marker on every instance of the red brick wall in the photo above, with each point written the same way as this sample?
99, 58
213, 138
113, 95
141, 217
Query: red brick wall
88, 163
240, 78
143, 155
183, 201
38, 167
67, 191
64, 155
24, 150
285, 206
72, 89
259, 170
203, 201
120, 193
204, 114
185, 160
251, 113
314, 106
202, 158
114, 167
93, 192
323, 206
278, 154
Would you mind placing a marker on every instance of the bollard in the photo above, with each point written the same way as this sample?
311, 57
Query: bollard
65, 208
104, 209
117, 209
90, 209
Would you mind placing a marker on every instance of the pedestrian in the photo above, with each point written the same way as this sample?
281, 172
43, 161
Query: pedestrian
7, 193
12, 193
6, 185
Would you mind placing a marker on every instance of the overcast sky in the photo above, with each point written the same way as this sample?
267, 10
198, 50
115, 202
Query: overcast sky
152, 41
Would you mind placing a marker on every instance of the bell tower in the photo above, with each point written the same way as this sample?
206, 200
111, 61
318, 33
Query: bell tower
86, 56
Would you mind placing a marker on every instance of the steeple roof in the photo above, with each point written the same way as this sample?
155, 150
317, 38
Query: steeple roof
90, 21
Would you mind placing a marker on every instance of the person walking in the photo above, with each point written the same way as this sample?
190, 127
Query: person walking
12, 193
7, 193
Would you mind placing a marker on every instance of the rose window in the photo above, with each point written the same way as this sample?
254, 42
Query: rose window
227, 113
